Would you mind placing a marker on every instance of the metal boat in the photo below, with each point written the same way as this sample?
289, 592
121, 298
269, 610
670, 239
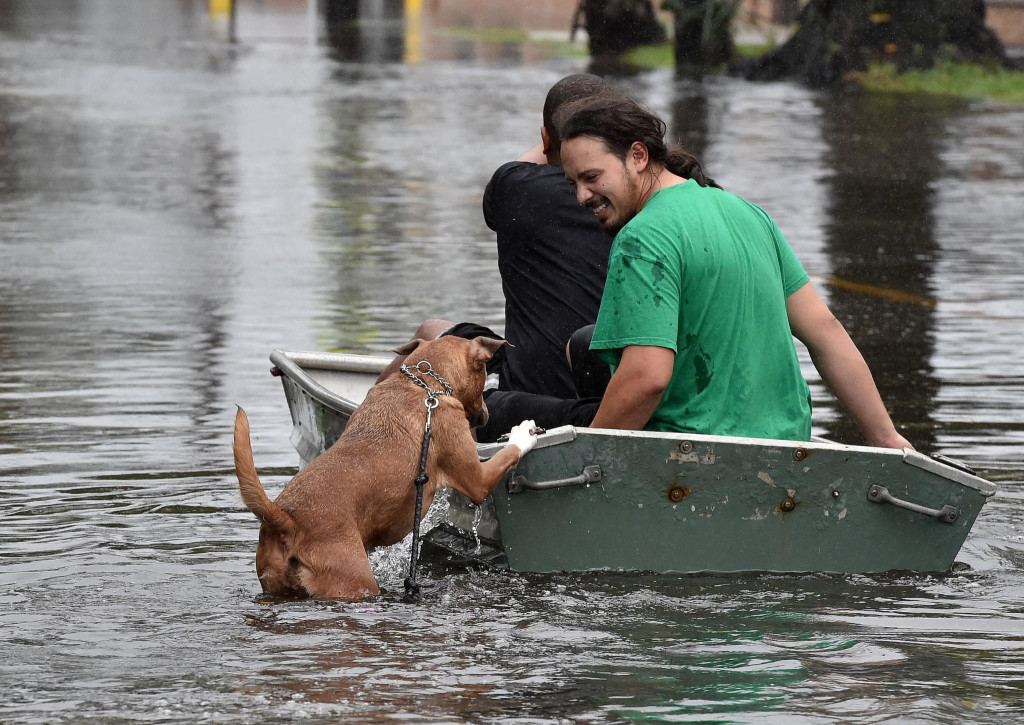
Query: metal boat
593, 499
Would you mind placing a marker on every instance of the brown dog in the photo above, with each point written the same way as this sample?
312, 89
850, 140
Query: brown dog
360, 493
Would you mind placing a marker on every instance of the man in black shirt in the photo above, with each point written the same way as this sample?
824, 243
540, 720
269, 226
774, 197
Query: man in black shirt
553, 258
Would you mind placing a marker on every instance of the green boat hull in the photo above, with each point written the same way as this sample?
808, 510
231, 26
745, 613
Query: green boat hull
589, 499
674, 503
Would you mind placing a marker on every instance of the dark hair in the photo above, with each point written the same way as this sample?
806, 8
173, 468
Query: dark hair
577, 87
619, 122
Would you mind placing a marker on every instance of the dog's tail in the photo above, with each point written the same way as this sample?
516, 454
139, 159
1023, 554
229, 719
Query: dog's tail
253, 495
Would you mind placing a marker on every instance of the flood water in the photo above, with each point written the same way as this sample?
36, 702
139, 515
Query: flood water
174, 206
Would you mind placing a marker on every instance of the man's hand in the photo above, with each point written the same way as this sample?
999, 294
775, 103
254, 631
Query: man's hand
893, 440
535, 155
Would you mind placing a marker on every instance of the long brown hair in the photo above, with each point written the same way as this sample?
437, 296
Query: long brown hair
619, 122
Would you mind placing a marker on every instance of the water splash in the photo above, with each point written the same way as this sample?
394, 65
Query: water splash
390, 564
477, 518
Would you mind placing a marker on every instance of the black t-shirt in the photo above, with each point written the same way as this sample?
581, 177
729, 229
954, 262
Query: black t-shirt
553, 258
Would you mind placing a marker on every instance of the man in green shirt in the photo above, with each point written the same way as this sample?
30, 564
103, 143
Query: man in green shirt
703, 295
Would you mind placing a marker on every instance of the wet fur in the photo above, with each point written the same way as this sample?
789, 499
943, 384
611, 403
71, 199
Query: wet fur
360, 493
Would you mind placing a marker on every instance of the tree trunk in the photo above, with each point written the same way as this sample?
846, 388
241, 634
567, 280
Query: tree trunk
689, 27
615, 26
703, 35
836, 37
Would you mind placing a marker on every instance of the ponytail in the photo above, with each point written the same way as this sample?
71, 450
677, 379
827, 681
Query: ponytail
687, 166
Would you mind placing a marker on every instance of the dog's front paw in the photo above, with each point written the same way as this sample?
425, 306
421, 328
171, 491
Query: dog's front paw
524, 436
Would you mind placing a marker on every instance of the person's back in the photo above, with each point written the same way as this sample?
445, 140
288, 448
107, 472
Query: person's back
708, 276
553, 257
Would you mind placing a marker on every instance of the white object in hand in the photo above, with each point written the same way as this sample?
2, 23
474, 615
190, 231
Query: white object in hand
524, 436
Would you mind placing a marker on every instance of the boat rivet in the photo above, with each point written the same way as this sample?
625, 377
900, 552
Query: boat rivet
685, 447
678, 493
799, 454
788, 504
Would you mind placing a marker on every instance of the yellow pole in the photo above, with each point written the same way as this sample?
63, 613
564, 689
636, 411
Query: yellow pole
413, 53
222, 12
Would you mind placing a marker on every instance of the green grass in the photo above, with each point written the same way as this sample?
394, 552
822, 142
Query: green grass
963, 80
663, 56
754, 51
486, 35
651, 56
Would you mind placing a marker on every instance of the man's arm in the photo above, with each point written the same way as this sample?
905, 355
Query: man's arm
841, 366
636, 388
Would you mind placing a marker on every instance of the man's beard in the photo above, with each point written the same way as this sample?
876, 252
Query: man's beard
633, 195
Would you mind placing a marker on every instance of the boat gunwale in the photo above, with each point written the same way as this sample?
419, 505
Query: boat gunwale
292, 364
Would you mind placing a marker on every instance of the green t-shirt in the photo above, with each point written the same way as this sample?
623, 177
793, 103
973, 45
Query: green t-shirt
706, 274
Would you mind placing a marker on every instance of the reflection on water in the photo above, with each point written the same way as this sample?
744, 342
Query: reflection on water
173, 206
368, 32
689, 119
882, 186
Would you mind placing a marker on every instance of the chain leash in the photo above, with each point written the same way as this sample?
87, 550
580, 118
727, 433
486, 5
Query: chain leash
423, 367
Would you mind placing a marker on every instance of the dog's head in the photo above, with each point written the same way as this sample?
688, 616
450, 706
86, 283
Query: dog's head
462, 363
276, 568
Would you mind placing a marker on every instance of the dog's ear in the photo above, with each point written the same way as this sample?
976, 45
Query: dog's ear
408, 347
485, 347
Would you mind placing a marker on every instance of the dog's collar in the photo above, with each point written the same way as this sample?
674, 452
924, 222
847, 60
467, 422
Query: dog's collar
423, 367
